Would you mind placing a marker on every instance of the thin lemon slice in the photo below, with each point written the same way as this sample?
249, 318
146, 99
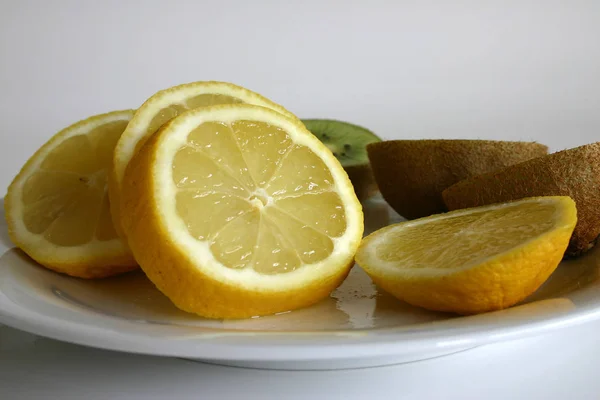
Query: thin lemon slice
237, 210
57, 207
161, 108
473, 260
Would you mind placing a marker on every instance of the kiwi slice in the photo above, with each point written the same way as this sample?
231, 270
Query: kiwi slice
574, 172
348, 144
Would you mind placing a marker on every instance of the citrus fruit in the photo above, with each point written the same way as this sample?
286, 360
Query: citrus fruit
472, 260
237, 210
161, 108
57, 207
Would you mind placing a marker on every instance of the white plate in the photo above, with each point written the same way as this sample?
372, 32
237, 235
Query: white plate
358, 326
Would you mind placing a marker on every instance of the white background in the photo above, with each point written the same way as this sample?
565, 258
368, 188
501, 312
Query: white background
517, 69
523, 70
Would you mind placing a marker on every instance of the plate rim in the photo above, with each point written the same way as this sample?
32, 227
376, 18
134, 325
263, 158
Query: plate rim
282, 345
285, 345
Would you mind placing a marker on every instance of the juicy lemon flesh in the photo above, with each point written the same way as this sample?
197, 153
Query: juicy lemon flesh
171, 111
259, 200
65, 200
473, 260
462, 240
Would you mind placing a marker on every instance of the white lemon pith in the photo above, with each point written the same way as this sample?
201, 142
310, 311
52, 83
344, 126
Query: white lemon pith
57, 207
164, 106
237, 210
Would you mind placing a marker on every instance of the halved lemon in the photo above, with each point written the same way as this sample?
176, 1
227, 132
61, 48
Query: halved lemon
237, 210
473, 260
161, 108
57, 207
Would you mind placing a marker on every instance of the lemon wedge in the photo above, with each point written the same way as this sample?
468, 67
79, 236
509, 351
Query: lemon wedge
473, 260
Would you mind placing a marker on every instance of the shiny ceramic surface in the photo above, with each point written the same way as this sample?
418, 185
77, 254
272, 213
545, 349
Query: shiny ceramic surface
357, 326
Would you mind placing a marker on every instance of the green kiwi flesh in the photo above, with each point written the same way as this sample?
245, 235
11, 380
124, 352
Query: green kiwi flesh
348, 144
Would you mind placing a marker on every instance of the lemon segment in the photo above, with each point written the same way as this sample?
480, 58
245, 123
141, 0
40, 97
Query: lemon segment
57, 207
473, 260
245, 213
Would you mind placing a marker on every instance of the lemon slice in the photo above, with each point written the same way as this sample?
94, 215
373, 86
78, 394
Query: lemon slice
57, 207
237, 210
473, 260
161, 108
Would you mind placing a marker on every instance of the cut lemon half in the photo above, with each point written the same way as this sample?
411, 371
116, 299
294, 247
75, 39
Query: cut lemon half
57, 207
473, 260
235, 211
161, 108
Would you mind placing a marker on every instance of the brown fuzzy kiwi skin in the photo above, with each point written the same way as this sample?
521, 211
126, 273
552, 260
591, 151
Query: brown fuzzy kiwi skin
574, 172
411, 174
363, 180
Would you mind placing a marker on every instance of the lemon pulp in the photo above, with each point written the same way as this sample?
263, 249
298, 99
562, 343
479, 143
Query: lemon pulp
65, 199
456, 241
259, 200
